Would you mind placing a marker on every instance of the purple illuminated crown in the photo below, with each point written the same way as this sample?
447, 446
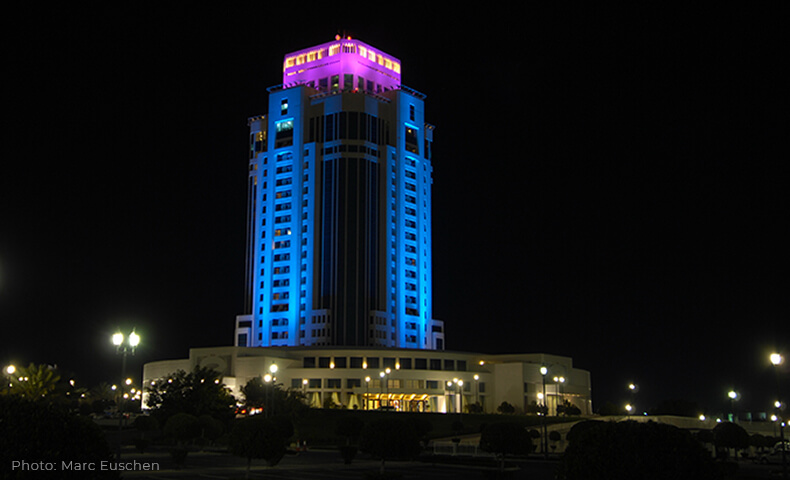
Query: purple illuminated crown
331, 66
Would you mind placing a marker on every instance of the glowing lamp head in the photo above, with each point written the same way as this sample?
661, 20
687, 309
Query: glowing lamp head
544, 370
477, 377
10, 369
732, 394
273, 368
776, 359
367, 379
267, 378
628, 408
117, 339
134, 339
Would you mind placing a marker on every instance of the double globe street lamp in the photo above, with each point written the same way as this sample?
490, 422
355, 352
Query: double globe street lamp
124, 345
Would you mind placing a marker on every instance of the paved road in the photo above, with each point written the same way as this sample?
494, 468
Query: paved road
317, 465
327, 465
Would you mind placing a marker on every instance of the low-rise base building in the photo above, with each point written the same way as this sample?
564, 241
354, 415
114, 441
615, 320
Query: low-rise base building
412, 380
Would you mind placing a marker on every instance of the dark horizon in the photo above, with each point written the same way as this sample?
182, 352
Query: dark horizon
607, 186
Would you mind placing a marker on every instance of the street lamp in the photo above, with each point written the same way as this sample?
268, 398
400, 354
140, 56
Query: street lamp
776, 360
367, 394
477, 391
267, 379
459, 389
384, 375
558, 382
123, 346
733, 396
544, 440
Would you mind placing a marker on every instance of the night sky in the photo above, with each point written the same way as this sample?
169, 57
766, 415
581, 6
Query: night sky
608, 185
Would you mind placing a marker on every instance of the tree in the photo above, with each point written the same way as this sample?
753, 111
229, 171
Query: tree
628, 450
390, 439
505, 438
50, 434
728, 435
475, 407
34, 382
761, 442
258, 393
257, 437
197, 393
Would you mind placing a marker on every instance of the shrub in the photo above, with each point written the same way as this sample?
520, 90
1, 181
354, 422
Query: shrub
628, 450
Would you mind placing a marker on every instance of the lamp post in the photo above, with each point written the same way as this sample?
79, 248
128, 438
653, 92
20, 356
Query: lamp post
633, 388
387, 373
558, 382
733, 395
123, 346
269, 378
776, 360
384, 375
477, 391
459, 390
545, 410
9, 371
367, 394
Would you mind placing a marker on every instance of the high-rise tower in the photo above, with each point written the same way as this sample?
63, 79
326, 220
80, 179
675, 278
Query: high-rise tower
339, 212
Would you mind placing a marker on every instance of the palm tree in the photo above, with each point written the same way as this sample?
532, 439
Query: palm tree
35, 381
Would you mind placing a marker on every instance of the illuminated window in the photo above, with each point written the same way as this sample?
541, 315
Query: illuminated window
285, 134
284, 106
411, 140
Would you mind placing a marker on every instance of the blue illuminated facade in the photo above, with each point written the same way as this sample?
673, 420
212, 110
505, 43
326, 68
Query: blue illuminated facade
339, 211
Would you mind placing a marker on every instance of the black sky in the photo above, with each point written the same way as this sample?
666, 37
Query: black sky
608, 185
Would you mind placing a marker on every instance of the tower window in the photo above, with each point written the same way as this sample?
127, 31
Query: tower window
285, 134
411, 140
284, 106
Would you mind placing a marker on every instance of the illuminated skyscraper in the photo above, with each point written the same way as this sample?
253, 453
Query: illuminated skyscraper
339, 234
